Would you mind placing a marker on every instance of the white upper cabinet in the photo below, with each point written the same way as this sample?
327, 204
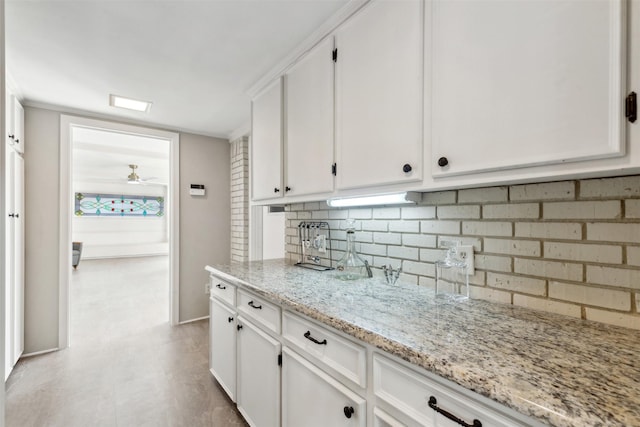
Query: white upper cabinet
309, 123
18, 119
9, 121
266, 143
524, 83
379, 90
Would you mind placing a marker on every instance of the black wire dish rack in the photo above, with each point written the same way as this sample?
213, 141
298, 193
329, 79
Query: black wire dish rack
314, 241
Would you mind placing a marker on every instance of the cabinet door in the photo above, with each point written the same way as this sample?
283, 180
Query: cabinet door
312, 398
18, 262
222, 346
525, 83
309, 123
266, 144
18, 119
383, 419
379, 95
9, 289
258, 376
9, 120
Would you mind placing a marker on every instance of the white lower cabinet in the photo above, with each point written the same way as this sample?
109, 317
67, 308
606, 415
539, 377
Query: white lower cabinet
312, 398
258, 375
383, 419
222, 347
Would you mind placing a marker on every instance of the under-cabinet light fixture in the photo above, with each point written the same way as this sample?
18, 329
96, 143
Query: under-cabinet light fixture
380, 199
129, 104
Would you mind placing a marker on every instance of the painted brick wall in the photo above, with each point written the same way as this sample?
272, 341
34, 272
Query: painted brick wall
240, 199
569, 247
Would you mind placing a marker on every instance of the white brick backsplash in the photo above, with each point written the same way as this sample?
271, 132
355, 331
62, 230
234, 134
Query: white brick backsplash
418, 268
304, 215
550, 269
372, 249
625, 320
320, 215
600, 297
583, 252
440, 227
486, 228
387, 238
610, 209
339, 214
483, 195
458, 212
386, 213
491, 262
427, 282
512, 211
610, 232
512, 247
420, 240
632, 208
360, 213
633, 255
546, 191
364, 236
296, 207
549, 230
375, 225
404, 226
312, 206
418, 212
403, 253
380, 261
547, 305
610, 276
522, 284
432, 255
462, 240
490, 294
439, 198
628, 186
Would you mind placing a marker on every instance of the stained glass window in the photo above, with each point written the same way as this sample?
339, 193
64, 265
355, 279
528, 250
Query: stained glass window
96, 204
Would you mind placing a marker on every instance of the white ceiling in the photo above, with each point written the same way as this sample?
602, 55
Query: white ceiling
195, 60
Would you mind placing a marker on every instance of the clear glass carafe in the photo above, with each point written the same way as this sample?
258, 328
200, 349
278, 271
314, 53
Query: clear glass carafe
351, 266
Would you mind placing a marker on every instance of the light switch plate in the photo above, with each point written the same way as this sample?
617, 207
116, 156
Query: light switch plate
466, 253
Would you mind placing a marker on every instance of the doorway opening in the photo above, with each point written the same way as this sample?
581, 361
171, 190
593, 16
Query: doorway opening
118, 231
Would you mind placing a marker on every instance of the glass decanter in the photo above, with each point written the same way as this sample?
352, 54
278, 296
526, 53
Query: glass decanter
351, 266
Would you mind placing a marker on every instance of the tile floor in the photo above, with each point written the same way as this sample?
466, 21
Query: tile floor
126, 366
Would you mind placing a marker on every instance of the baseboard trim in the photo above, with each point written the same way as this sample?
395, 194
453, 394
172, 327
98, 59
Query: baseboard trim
193, 320
38, 353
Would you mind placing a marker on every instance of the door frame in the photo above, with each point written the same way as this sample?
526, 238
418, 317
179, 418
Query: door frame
67, 122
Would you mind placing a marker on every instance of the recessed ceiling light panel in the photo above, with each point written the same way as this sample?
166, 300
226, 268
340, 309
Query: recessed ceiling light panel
129, 104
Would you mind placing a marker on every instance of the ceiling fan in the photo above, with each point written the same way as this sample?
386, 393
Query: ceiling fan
134, 178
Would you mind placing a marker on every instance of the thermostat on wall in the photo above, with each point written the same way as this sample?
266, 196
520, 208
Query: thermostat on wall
197, 190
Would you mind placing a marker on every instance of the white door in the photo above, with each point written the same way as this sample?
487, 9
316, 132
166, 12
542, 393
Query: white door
266, 144
18, 265
523, 83
312, 398
379, 82
222, 346
309, 123
258, 390
10, 261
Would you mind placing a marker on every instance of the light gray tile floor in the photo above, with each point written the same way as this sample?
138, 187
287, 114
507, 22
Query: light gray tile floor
126, 366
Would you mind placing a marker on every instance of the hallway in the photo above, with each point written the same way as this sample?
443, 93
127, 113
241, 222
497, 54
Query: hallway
126, 366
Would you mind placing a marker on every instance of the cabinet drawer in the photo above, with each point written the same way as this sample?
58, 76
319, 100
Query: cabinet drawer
340, 354
267, 315
411, 393
382, 419
223, 290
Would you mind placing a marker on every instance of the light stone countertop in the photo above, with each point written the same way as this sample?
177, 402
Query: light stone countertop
557, 369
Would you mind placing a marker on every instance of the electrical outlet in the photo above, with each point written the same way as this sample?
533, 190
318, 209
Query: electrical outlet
207, 288
466, 253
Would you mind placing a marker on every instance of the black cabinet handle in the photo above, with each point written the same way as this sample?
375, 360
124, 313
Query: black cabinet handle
17, 215
251, 304
12, 136
276, 190
308, 336
433, 404
348, 411
219, 286
230, 319
12, 215
239, 327
17, 141
407, 168
443, 161
287, 189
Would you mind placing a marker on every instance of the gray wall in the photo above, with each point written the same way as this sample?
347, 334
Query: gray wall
204, 223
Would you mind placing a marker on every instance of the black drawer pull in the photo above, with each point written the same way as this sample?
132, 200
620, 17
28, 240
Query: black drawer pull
230, 319
433, 404
251, 304
219, 286
308, 336
348, 411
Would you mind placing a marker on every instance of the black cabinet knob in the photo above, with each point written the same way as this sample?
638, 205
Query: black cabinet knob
443, 161
287, 189
239, 327
17, 215
276, 190
348, 411
230, 319
12, 136
12, 215
17, 141
407, 168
